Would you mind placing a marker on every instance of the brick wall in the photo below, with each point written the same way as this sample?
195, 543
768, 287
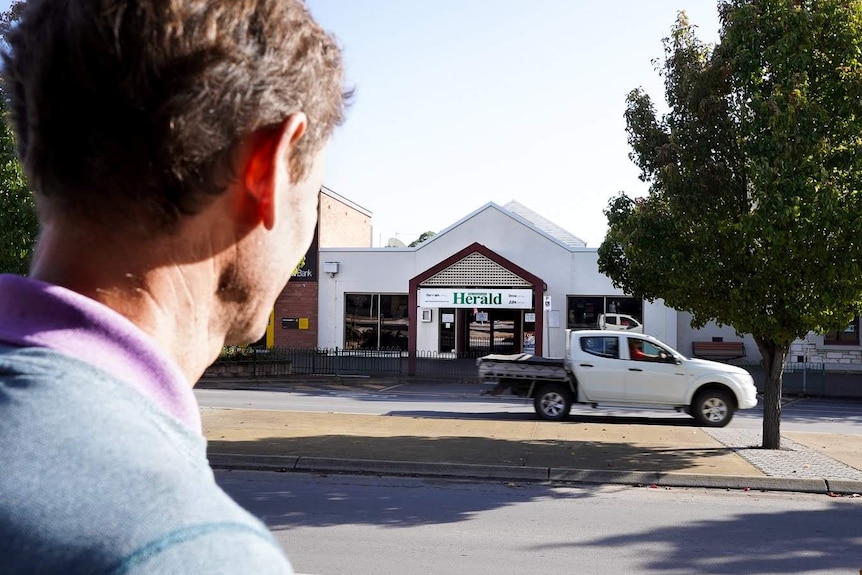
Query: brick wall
341, 224
816, 352
297, 300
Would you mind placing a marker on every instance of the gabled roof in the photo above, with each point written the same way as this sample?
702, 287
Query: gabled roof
525, 216
339, 198
545, 225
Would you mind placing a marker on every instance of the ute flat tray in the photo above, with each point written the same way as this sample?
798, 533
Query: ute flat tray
525, 358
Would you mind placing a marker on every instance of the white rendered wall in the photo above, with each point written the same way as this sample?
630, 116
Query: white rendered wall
522, 246
687, 335
389, 270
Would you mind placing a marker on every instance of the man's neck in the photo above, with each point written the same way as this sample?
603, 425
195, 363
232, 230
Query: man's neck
169, 300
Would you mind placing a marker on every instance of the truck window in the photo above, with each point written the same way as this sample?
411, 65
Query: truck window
602, 346
641, 350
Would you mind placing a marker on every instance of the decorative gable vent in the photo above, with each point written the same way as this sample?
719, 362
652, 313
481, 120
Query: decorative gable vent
475, 270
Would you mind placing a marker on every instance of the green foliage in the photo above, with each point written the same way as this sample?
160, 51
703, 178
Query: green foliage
424, 236
18, 225
236, 353
755, 200
8, 18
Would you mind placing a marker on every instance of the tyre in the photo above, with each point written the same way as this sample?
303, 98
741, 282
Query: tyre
713, 408
553, 402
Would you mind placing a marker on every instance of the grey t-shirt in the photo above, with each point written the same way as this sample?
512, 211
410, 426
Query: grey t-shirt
97, 479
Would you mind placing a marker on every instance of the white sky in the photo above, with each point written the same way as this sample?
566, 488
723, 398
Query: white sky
462, 102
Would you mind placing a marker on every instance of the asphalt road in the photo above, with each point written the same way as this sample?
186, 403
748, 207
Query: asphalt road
332, 525
460, 400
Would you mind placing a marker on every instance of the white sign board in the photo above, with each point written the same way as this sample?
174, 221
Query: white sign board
547, 303
476, 298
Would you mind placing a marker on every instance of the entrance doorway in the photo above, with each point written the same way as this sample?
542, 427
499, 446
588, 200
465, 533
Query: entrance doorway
491, 331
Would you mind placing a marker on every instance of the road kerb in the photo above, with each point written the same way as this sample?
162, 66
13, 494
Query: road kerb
569, 475
844, 487
429, 469
532, 474
756, 483
252, 462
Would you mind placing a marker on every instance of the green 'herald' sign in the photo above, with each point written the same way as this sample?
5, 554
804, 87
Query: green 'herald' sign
476, 298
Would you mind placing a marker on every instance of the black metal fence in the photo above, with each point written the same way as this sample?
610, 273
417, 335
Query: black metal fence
799, 378
278, 362
812, 379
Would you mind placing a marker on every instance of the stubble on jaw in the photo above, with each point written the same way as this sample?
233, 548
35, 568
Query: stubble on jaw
232, 289
237, 310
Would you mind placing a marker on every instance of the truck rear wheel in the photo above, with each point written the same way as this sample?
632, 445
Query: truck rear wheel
553, 402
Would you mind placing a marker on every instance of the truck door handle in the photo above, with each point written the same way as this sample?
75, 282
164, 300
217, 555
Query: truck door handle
586, 365
635, 369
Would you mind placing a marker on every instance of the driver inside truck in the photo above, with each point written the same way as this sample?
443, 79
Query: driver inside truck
637, 353
636, 350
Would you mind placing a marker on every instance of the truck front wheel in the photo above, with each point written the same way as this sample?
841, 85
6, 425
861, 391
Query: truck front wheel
713, 408
553, 402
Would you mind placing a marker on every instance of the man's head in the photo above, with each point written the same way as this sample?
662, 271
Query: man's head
181, 142
131, 112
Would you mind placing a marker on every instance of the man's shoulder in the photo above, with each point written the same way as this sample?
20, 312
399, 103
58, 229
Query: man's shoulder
93, 471
29, 365
39, 384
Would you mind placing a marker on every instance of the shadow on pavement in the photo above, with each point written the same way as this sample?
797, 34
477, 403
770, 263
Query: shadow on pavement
383, 502
594, 455
530, 416
822, 540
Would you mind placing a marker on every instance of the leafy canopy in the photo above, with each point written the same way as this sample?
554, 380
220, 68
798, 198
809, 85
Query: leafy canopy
18, 225
424, 236
755, 202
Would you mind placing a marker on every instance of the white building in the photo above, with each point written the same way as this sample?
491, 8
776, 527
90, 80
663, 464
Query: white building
502, 279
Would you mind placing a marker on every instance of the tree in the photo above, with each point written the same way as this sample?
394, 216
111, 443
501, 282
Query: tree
755, 173
8, 18
18, 225
424, 236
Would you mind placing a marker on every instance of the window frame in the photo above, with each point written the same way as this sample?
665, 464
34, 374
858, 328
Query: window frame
833, 338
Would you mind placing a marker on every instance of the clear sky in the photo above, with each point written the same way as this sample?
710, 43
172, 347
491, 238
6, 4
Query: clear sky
462, 102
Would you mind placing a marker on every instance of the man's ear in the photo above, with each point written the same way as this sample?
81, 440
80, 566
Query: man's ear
268, 168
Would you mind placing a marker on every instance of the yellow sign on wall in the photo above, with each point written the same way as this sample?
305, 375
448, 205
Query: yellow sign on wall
303, 323
270, 331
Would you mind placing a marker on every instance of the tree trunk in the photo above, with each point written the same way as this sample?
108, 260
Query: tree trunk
774, 355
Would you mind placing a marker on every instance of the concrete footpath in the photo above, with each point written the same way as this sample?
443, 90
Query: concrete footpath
537, 451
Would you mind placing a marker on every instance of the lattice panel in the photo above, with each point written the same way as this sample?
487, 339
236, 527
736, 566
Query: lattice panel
476, 270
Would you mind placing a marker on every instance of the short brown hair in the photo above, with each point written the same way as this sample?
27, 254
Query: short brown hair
135, 107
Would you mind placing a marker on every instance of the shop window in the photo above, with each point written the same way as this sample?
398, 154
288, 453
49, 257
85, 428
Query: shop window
375, 321
393, 322
584, 311
847, 336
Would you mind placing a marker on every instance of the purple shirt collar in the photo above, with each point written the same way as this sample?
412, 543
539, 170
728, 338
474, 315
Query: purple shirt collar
38, 314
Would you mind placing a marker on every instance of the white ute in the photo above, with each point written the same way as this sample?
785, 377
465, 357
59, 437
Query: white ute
606, 368
620, 322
